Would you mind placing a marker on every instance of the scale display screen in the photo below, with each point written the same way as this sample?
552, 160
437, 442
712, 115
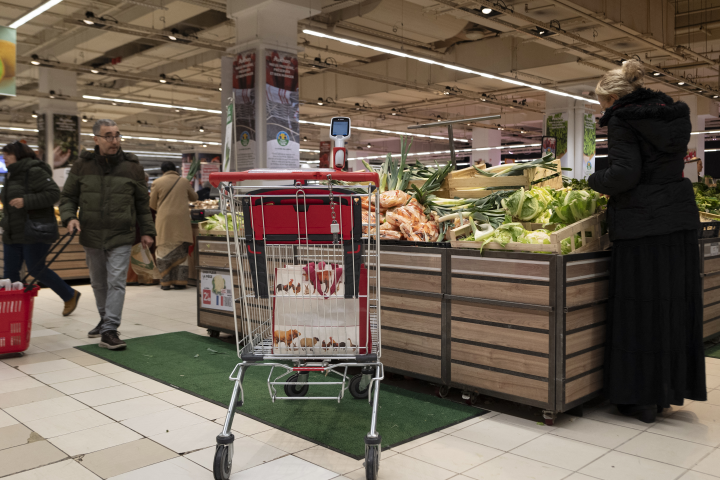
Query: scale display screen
340, 127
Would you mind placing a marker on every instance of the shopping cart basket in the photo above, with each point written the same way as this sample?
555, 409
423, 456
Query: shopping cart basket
16, 308
306, 269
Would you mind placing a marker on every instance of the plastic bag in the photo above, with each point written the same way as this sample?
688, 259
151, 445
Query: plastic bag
143, 262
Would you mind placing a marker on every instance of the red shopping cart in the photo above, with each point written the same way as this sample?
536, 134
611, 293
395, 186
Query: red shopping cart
16, 309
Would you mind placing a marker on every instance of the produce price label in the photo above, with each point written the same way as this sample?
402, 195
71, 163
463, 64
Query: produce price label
215, 290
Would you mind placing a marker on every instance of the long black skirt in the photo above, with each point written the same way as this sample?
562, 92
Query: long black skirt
654, 350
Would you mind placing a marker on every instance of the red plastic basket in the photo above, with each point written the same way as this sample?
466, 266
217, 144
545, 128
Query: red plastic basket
16, 308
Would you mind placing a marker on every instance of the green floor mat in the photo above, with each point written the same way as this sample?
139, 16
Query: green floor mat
201, 366
713, 351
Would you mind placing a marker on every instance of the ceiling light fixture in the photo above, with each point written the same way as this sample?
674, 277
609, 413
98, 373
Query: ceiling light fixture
393, 111
204, 145
34, 114
389, 132
35, 59
304, 139
201, 129
163, 79
19, 129
715, 96
151, 104
320, 101
486, 11
174, 32
34, 13
369, 145
52, 94
94, 70
220, 89
88, 20
450, 66
657, 74
84, 118
681, 83
439, 118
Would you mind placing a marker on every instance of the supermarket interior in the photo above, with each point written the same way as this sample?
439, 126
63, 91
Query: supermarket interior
359, 239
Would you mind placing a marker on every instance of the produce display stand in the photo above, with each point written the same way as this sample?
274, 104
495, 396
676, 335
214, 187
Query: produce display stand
710, 273
212, 257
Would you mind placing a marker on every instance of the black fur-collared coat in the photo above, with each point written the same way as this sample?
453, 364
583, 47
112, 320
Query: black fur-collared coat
648, 134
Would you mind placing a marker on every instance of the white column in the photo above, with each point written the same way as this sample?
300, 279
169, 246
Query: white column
60, 83
701, 109
484, 138
565, 119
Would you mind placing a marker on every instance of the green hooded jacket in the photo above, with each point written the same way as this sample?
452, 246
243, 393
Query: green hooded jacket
41, 194
112, 195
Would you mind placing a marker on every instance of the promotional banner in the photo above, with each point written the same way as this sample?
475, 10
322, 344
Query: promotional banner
557, 126
41, 137
283, 109
227, 161
66, 139
215, 288
244, 109
8, 60
325, 149
588, 145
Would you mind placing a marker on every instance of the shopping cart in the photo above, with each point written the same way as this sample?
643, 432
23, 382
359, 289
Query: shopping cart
306, 263
16, 308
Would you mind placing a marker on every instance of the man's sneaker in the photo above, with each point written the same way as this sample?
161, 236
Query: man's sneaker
71, 304
95, 332
111, 341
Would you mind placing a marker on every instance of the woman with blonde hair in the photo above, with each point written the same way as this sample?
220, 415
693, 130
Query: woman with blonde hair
654, 349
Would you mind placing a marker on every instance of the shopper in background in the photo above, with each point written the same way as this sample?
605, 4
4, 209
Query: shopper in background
29, 193
108, 186
204, 193
654, 349
170, 195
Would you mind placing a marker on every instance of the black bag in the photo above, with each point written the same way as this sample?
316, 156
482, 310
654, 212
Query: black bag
39, 231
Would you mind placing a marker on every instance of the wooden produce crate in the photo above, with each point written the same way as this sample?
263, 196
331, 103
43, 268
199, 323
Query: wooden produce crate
710, 273
591, 243
414, 311
212, 257
502, 329
581, 306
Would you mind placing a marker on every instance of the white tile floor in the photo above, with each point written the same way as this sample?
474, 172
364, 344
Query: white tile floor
66, 415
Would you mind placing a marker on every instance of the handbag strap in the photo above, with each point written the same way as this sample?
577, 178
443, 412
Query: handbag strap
168, 193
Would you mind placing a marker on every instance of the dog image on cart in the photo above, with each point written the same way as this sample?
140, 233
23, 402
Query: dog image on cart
307, 269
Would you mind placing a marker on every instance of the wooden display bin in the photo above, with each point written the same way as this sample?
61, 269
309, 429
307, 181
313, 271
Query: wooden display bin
710, 273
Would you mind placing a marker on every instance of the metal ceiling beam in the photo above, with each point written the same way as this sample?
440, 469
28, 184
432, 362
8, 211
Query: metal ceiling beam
209, 4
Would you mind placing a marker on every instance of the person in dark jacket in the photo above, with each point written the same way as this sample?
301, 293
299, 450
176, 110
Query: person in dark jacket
108, 186
30, 191
654, 349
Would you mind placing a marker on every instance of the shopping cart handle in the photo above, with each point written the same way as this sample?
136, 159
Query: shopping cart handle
355, 177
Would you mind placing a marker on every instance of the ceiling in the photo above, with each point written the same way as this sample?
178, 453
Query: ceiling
558, 44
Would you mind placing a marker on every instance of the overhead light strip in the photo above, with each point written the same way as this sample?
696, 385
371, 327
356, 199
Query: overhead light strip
157, 139
34, 13
450, 66
461, 150
389, 132
705, 132
151, 104
18, 129
153, 153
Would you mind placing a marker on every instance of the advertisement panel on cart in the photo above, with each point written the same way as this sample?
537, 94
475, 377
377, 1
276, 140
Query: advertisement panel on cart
215, 291
283, 101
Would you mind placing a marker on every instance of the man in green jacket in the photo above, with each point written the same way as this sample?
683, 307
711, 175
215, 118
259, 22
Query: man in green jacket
108, 186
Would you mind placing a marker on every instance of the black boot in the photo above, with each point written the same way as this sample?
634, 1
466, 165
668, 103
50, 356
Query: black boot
647, 413
111, 341
95, 332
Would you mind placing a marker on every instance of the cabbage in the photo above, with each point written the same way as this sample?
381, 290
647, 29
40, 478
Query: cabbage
503, 237
514, 203
536, 237
565, 246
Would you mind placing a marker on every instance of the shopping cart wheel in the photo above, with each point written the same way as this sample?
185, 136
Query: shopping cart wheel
442, 391
372, 462
357, 390
223, 462
295, 390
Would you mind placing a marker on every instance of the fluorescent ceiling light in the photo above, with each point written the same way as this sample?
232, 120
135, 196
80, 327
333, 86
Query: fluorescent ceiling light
450, 66
30, 15
150, 104
390, 132
141, 152
19, 129
702, 133
309, 151
600, 156
601, 139
460, 150
157, 139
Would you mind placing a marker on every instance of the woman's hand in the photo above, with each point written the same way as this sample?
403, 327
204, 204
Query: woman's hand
17, 203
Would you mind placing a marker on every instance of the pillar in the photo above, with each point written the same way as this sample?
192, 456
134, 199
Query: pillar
265, 82
58, 121
484, 138
701, 109
572, 123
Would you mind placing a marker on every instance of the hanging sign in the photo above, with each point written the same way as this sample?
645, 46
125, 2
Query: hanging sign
588, 145
8, 60
283, 109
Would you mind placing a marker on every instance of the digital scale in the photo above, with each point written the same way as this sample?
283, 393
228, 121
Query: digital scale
339, 131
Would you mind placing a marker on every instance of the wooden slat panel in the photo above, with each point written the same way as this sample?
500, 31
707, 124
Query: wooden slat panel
407, 301
585, 316
504, 337
582, 363
584, 386
582, 269
586, 293
65, 256
411, 281
414, 343
510, 316
585, 339
711, 312
712, 296
209, 319
711, 328
212, 261
712, 265
214, 246
58, 265
411, 363
500, 382
516, 362
500, 266
711, 281
409, 321
511, 292
416, 261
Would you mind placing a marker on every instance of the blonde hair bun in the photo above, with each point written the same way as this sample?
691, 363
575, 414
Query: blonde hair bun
633, 72
621, 81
